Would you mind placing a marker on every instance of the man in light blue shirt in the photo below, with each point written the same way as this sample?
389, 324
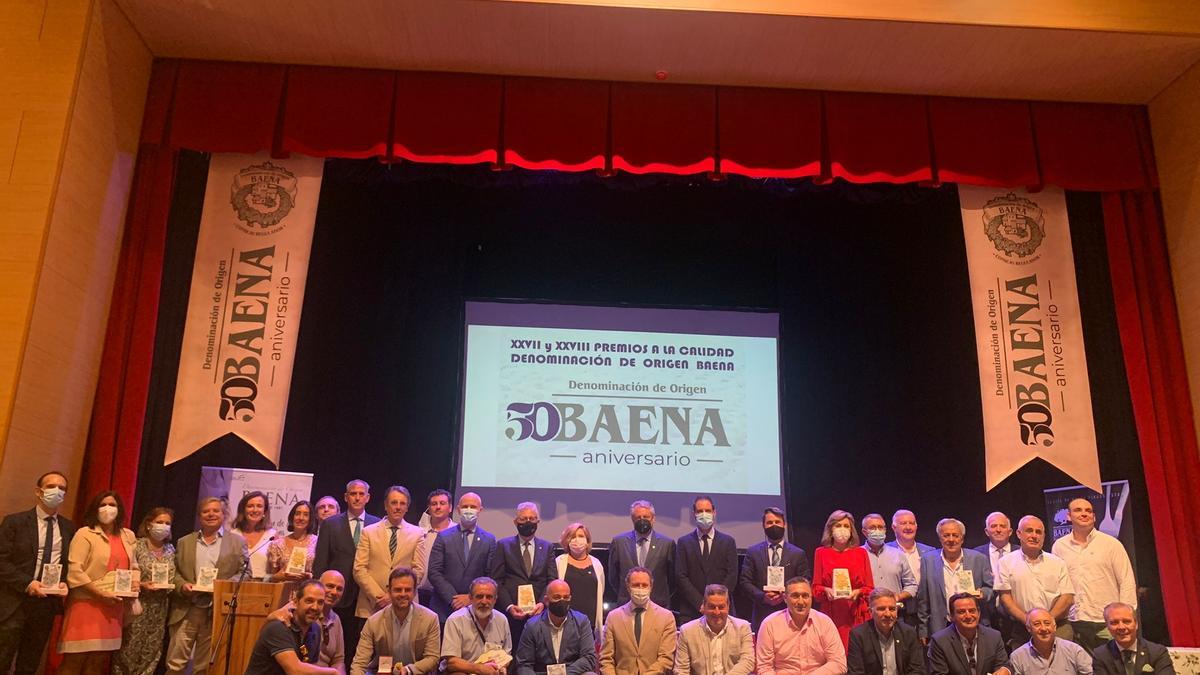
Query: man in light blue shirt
1046, 653
475, 630
888, 565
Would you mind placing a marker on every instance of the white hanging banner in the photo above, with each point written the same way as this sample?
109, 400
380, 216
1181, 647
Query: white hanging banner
243, 317
1032, 370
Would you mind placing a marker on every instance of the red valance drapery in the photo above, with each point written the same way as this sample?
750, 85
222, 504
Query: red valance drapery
642, 128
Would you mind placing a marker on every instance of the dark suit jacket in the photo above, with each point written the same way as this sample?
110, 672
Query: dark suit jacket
450, 572
335, 551
995, 611
660, 560
910, 607
947, 657
576, 649
1106, 659
754, 575
693, 571
18, 557
865, 656
931, 593
508, 569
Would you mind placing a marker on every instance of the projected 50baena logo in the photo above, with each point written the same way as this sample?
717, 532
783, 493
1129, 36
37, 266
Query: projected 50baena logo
646, 424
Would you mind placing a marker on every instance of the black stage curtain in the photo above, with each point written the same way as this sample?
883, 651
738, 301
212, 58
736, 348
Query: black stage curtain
880, 391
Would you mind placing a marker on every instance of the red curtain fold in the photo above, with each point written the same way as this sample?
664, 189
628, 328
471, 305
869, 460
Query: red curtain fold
1154, 365
1090, 146
555, 124
226, 107
448, 118
983, 142
318, 103
658, 129
791, 150
878, 138
118, 413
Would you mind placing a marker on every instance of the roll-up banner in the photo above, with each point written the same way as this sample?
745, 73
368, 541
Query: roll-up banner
1114, 512
1033, 375
282, 489
243, 317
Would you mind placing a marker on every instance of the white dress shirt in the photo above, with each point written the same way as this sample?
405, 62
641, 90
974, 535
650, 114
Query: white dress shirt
1100, 573
716, 648
1035, 583
55, 543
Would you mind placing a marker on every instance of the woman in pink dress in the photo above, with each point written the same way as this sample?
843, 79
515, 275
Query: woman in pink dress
840, 550
94, 613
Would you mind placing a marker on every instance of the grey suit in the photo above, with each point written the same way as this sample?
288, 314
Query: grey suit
660, 560
378, 637
692, 648
191, 614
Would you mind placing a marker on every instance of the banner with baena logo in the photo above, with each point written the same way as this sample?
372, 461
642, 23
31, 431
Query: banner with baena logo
1032, 370
243, 316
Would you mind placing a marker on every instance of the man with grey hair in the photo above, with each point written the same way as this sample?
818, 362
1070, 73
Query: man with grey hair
948, 571
643, 547
1031, 579
522, 560
337, 540
717, 643
999, 532
904, 525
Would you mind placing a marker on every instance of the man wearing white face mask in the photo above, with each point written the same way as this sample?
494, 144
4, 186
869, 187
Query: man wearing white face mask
459, 555
889, 567
639, 636
703, 556
29, 540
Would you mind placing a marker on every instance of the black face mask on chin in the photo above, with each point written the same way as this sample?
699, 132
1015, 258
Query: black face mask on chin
642, 526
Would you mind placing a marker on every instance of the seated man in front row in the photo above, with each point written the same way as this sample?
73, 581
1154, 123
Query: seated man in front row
716, 643
404, 633
476, 639
1127, 648
965, 647
559, 640
799, 639
883, 644
639, 636
292, 648
1046, 653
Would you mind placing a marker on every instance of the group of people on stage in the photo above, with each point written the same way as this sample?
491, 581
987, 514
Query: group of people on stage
381, 595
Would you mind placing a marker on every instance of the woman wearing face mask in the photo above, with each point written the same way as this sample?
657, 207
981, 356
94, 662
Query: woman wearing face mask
253, 523
141, 647
302, 532
583, 573
840, 550
94, 614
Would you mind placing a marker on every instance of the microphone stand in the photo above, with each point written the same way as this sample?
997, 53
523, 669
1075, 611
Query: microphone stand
226, 633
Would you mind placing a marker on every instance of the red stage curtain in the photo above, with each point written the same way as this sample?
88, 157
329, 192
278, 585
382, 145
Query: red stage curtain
1154, 364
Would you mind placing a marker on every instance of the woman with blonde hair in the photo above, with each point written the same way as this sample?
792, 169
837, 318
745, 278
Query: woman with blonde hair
842, 577
583, 573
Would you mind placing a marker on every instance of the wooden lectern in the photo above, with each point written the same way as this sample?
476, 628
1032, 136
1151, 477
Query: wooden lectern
256, 600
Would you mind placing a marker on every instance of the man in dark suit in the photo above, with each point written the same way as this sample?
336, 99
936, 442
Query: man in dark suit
999, 532
1127, 653
29, 540
459, 555
576, 649
940, 570
703, 556
774, 551
336, 543
884, 640
523, 559
643, 547
965, 647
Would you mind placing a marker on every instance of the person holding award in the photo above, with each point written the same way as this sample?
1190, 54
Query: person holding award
583, 573
33, 552
101, 562
842, 577
290, 558
253, 523
141, 644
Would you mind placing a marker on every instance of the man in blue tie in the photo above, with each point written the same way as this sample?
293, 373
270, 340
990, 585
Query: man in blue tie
336, 543
459, 555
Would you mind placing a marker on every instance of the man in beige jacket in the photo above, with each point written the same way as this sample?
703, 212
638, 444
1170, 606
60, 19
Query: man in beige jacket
639, 636
392, 542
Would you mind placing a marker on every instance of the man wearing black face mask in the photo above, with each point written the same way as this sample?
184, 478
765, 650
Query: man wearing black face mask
522, 560
774, 552
559, 636
642, 547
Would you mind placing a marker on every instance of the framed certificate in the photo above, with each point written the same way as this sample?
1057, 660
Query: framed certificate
525, 599
160, 575
204, 582
51, 578
966, 581
297, 560
775, 578
123, 583
841, 583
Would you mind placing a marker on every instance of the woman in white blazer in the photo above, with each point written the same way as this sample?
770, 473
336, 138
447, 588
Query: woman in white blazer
583, 573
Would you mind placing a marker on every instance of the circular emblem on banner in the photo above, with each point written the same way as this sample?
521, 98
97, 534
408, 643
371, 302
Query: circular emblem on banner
1015, 225
262, 195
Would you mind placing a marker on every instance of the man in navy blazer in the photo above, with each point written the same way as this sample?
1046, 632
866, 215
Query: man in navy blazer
1110, 658
336, 542
26, 613
904, 525
516, 561
764, 554
703, 556
939, 569
460, 554
576, 648
865, 655
643, 547
999, 532
947, 651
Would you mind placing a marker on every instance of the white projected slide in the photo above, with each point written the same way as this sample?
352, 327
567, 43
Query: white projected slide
583, 409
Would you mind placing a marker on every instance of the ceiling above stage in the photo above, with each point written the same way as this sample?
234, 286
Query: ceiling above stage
1097, 57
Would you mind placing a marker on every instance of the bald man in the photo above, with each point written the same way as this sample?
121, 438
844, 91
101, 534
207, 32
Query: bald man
459, 555
1033, 579
333, 644
559, 635
1046, 653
